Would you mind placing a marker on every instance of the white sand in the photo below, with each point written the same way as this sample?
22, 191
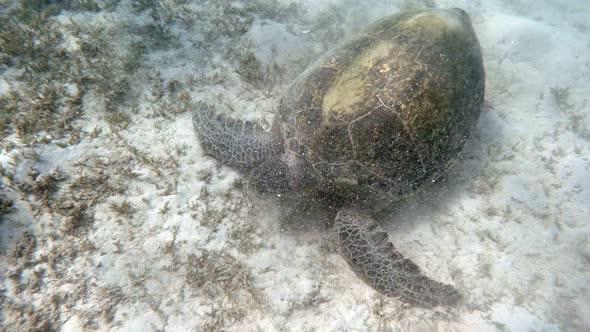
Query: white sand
510, 227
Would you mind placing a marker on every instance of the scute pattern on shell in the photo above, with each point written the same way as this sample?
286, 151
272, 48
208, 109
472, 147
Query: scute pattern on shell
391, 108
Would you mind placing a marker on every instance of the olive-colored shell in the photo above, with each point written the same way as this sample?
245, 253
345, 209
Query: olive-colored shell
390, 108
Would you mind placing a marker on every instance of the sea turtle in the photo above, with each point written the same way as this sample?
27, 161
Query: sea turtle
379, 116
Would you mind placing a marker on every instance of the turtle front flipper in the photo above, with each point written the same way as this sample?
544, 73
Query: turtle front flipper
367, 250
239, 144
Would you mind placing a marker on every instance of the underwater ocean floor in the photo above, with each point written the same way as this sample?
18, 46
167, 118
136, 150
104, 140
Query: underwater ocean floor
112, 218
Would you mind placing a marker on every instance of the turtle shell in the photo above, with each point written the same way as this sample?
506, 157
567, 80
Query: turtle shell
390, 108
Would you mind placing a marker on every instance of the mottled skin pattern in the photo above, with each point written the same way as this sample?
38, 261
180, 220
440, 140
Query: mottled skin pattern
366, 248
371, 121
235, 143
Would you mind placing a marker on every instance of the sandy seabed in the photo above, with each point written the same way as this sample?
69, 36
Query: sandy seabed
119, 222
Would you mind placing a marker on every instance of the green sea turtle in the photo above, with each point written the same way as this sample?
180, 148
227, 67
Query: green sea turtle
374, 119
